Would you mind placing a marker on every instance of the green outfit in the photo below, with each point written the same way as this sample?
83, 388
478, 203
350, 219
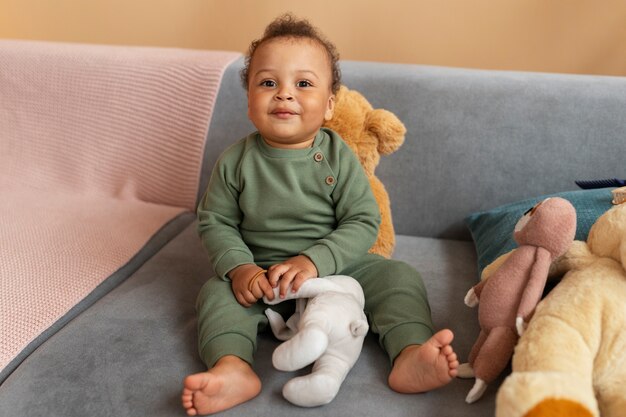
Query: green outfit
264, 205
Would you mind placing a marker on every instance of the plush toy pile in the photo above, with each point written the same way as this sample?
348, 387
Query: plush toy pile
370, 133
571, 360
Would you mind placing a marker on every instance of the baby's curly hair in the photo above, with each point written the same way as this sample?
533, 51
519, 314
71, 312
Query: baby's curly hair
288, 26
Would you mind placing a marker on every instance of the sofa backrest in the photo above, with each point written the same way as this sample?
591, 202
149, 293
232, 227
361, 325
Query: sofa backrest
476, 138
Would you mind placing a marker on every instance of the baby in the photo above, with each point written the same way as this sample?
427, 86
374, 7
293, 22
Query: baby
289, 203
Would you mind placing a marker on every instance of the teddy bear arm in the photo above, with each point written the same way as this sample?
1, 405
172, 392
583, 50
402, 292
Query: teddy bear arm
567, 350
541, 395
558, 366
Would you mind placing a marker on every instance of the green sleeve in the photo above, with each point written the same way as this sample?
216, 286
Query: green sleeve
219, 217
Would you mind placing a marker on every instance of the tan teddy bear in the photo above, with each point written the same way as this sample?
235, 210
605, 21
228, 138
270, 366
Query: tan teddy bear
370, 133
571, 360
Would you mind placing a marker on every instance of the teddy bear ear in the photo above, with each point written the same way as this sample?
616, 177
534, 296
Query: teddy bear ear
388, 129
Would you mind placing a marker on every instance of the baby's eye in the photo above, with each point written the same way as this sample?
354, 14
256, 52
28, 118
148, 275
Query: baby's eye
268, 83
304, 83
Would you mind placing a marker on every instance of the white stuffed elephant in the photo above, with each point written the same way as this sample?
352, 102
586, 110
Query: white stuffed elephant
328, 328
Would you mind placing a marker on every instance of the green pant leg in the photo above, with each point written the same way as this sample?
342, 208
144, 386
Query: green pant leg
396, 302
225, 327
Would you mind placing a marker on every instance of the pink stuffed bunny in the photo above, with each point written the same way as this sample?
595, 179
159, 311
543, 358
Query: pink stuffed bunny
509, 296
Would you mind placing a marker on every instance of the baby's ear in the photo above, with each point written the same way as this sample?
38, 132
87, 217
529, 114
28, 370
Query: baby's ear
387, 128
330, 109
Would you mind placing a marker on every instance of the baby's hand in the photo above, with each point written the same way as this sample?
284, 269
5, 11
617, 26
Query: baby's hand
250, 283
294, 270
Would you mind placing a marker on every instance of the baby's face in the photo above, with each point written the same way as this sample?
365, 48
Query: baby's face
289, 91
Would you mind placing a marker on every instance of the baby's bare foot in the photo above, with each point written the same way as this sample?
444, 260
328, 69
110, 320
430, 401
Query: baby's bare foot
229, 383
421, 368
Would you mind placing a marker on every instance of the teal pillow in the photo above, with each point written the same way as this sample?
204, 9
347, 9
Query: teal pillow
492, 230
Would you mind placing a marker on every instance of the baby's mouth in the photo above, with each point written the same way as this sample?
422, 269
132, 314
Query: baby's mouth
283, 113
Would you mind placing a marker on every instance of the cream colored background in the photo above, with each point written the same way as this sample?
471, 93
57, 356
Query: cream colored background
575, 36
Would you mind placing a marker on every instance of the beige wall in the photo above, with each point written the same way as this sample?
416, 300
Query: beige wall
576, 36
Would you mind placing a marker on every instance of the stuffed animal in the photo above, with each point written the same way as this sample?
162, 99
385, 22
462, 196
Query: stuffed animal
328, 328
571, 361
370, 133
508, 297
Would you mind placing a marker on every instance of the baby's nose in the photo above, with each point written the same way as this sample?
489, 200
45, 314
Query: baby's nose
284, 95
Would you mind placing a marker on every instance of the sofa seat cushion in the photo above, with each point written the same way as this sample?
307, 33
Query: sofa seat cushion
145, 330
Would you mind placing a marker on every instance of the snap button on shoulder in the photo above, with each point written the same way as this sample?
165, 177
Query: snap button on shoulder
318, 157
330, 180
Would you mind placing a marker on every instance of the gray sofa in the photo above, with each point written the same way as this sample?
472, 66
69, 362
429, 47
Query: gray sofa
476, 139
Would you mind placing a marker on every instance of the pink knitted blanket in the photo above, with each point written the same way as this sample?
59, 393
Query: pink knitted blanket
100, 146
